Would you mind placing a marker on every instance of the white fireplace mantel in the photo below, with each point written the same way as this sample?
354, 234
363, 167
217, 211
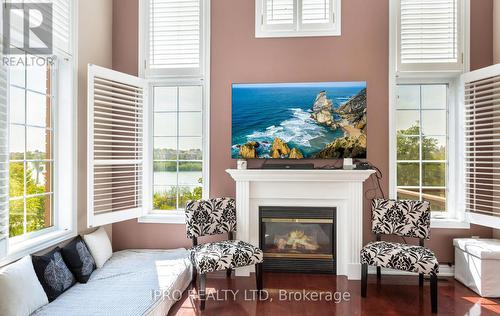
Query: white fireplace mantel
342, 189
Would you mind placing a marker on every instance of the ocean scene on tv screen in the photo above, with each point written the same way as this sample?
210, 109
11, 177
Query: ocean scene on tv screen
299, 120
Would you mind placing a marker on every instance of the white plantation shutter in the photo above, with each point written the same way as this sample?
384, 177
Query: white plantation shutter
62, 14
316, 11
4, 156
482, 145
117, 140
175, 36
430, 35
279, 12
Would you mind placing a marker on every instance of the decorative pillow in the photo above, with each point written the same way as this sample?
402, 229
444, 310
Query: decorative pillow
53, 273
20, 291
78, 259
99, 246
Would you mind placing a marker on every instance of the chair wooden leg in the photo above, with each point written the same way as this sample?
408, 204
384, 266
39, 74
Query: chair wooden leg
201, 291
229, 272
364, 279
421, 279
193, 281
434, 293
258, 276
379, 273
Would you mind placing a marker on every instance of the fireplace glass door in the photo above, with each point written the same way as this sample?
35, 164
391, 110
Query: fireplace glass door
297, 238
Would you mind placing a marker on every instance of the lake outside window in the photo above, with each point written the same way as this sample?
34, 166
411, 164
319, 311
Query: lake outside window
177, 146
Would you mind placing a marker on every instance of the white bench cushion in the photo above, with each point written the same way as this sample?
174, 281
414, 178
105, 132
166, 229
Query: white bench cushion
125, 285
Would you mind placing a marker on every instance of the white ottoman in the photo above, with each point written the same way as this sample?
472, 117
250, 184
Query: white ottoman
477, 265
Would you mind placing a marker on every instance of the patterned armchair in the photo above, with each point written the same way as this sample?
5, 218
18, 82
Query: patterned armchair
214, 217
405, 219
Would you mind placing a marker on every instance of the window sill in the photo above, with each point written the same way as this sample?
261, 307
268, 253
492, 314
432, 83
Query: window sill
33, 245
174, 218
292, 33
449, 223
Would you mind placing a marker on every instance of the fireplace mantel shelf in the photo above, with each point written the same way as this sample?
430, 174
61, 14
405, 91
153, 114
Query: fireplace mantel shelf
342, 189
299, 174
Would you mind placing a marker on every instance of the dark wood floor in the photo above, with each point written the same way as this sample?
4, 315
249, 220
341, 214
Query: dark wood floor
394, 295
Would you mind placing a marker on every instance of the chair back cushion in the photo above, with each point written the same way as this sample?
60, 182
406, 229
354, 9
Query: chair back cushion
210, 217
403, 218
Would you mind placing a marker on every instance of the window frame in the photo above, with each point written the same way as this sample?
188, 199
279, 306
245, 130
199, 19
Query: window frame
297, 28
455, 216
166, 78
65, 155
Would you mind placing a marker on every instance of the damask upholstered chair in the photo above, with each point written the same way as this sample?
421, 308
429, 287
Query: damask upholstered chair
404, 219
214, 217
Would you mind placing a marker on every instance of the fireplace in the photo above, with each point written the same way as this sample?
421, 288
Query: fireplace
298, 239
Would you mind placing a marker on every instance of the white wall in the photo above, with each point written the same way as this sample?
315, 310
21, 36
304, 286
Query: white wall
95, 46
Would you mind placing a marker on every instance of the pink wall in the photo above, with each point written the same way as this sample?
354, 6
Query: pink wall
360, 54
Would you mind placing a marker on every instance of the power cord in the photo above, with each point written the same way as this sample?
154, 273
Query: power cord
378, 187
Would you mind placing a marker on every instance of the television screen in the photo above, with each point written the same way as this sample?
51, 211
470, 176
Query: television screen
299, 120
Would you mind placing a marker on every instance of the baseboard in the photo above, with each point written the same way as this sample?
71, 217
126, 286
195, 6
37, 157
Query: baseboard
444, 271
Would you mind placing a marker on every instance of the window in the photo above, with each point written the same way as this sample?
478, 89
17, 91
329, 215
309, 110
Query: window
174, 57
41, 136
31, 156
431, 35
422, 141
291, 18
427, 54
178, 146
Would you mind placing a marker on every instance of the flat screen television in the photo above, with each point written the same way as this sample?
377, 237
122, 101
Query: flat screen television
321, 120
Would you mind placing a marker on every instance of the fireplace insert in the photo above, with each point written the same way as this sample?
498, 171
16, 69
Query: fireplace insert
298, 239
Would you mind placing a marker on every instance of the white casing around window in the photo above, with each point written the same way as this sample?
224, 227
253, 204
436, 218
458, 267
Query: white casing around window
118, 140
481, 90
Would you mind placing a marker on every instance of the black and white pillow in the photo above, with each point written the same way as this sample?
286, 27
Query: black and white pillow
78, 259
53, 273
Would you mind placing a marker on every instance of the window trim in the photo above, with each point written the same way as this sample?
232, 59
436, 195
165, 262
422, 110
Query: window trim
298, 29
456, 219
203, 78
65, 223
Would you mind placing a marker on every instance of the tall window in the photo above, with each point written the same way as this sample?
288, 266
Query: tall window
290, 18
31, 155
39, 129
178, 146
174, 51
422, 142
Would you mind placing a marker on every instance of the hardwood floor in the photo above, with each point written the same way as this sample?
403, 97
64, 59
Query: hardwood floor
394, 295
